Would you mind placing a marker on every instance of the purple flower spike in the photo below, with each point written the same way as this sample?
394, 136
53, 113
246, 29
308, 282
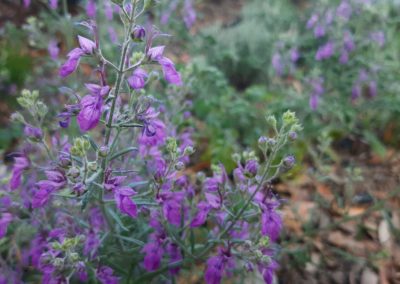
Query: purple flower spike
344, 10
91, 9
53, 49
27, 3
344, 57
312, 21
156, 52
90, 113
21, 164
319, 31
189, 14
88, 46
378, 37
314, 101
373, 89
294, 55
53, 4
138, 79
277, 64
325, 51
5, 220
356, 92
105, 275
348, 42
171, 75
201, 215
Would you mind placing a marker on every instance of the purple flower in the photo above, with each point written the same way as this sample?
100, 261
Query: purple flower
251, 167
268, 270
153, 255
81, 271
88, 46
20, 164
344, 57
348, 42
294, 55
373, 89
55, 181
53, 4
213, 200
170, 74
325, 51
314, 101
277, 64
124, 203
319, 31
312, 21
27, 3
189, 14
105, 275
378, 37
156, 52
175, 255
344, 10
211, 184
5, 220
138, 34
90, 113
92, 243
217, 265
97, 90
201, 216
138, 79
65, 117
33, 132
72, 62
108, 10
271, 221
91, 9
53, 49
356, 92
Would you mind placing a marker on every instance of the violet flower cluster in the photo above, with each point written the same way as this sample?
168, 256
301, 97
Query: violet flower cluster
116, 202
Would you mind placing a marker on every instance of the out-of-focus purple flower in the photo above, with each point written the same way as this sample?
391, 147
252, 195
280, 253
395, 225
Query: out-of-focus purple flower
33, 132
378, 37
20, 164
56, 179
65, 117
153, 255
217, 265
189, 14
329, 15
344, 57
81, 271
92, 243
88, 46
277, 64
175, 255
348, 42
53, 4
105, 275
201, 216
97, 90
124, 202
90, 113
294, 55
5, 220
53, 49
314, 101
372, 89
319, 31
91, 9
108, 10
170, 74
138, 79
356, 92
211, 184
344, 10
27, 3
167, 13
138, 34
113, 34
325, 51
312, 21
268, 270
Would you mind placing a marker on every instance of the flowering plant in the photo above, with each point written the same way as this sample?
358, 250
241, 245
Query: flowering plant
114, 203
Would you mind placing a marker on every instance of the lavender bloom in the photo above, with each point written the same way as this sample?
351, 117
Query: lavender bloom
348, 42
252, 167
277, 64
319, 31
175, 255
65, 117
325, 51
373, 89
267, 271
92, 243
124, 203
171, 75
21, 164
344, 10
378, 37
294, 55
72, 62
27, 3
97, 90
156, 52
88, 46
154, 253
91, 9
5, 220
108, 10
90, 113
189, 14
344, 57
53, 49
201, 215
105, 275
356, 92
53, 4
138, 79
138, 34
312, 21
33, 132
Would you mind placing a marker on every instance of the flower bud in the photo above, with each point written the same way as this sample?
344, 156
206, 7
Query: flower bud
33, 133
236, 157
172, 145
179, 166
189, 150
292, 135
265, 259
289, 118
74, 257
16, 116
103, 151
264, 241
289, 162
92, 166
251, 168
262, 141
79, 188
271, 120
138, 34
73, 172
65, 161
